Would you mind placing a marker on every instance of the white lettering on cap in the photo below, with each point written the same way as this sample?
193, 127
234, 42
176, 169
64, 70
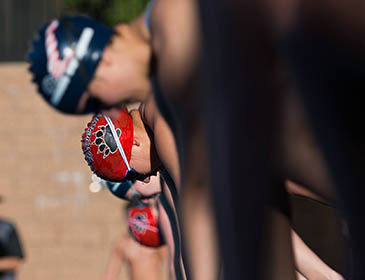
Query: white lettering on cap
81, 49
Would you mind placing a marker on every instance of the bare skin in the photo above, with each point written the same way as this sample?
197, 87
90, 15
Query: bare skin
144, 158
143, 262
163, 137
10, 263
123, 71
151, 188
168, 235
202, 236
309, 264
297, 189
300, 276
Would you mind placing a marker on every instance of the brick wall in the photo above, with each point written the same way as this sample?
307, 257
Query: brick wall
19, 20
67, 231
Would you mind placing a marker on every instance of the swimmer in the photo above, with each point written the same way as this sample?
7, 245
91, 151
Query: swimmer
144, 262
100, 163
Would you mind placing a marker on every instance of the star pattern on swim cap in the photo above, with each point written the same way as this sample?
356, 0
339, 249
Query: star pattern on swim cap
105, 140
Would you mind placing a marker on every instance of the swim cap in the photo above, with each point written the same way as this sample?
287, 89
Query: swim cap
143, 224
63, 60
119, 189
101, 149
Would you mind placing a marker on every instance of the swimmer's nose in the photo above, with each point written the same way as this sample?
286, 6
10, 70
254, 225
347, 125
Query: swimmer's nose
147, 180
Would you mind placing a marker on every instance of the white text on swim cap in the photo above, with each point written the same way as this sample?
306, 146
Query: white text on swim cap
63, 70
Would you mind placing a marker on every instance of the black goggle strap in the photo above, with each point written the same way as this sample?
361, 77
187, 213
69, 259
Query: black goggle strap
119, 145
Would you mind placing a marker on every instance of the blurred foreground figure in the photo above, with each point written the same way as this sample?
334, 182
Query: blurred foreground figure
308, 264
319, 46
144, 262
239, 109
324, 49
138, 249
11, 252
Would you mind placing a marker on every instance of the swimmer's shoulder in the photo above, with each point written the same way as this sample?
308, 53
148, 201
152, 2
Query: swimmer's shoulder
135, 251
168, 20
161, 21
120, 245
163, 252
149, 112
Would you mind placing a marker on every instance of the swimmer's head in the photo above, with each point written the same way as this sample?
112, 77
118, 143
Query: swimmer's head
143, 223
144, 158
109, 146
64, 58
81, 65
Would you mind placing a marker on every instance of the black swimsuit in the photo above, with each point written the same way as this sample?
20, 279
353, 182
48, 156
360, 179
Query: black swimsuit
163, 107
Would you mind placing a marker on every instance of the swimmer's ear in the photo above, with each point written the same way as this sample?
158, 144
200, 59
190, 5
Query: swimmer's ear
136, 142
107, 57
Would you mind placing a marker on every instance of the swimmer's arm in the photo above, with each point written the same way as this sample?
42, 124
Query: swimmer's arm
309, 264
166, 148
300, 276
175, 41
9, 263
115, 263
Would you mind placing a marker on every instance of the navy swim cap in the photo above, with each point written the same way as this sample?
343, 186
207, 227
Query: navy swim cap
64, 58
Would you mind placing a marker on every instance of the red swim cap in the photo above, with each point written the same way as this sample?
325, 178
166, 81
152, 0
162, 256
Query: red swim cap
101, 150
143, 224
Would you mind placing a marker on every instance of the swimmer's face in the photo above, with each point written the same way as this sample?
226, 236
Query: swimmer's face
121, 75
144, 158
150, 188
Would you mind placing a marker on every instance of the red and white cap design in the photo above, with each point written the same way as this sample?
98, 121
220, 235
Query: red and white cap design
107, 145
143, 224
